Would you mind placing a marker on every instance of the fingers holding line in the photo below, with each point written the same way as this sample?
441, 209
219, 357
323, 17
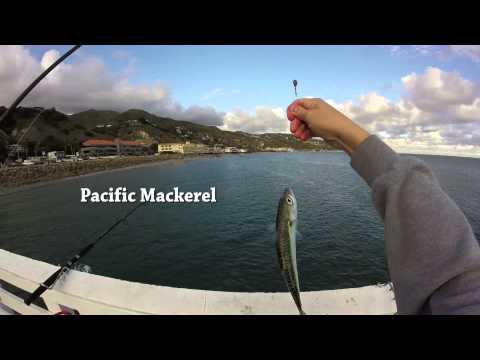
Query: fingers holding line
294, 125
306, 135
299, 129
290, 115
302, 132
296, 114
299, 108
292, 109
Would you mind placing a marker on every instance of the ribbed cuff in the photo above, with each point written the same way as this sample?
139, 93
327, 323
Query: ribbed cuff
372, 158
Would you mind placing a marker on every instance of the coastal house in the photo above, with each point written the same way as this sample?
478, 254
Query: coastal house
190, 148
232, 149
216, 149
170, 148
278, 149
101, 147
16, 151
187, 148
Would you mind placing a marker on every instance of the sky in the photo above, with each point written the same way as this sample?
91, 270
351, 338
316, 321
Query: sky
417, 98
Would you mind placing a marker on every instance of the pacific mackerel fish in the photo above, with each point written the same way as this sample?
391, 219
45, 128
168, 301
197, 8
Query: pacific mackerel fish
286, 227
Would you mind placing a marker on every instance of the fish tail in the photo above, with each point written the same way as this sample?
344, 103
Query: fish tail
299, 306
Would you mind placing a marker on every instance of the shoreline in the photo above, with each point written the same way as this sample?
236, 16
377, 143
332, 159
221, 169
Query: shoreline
27, 178
33, 183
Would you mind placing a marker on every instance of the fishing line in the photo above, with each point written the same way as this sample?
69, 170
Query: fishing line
19, 141
50, 282
329, 141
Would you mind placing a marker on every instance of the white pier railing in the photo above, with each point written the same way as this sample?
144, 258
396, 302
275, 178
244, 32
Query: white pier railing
91, 294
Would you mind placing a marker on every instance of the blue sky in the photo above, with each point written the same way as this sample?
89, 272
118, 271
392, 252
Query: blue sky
249, 76
421, 98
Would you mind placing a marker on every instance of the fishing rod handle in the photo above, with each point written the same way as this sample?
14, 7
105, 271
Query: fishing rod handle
36, 294
42, 288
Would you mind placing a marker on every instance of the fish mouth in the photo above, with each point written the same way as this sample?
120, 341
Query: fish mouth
288, 191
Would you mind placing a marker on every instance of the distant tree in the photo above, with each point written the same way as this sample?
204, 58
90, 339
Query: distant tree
9, 123
51, 143
31, 147
3, 146
154, 147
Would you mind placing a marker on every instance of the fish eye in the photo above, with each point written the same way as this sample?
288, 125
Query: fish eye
289, 201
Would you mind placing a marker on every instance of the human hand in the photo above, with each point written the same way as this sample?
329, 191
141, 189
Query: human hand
314, 117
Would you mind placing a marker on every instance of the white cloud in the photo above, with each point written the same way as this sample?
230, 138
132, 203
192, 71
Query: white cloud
439, 113
443, 52
265, 119
469, 112
439, 110
415, 50
206, 115
425, 49
49, 58
470, 51
394, 49
436, 90
17, 68
87, 83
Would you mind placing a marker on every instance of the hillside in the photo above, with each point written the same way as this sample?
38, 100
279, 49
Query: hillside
54, 130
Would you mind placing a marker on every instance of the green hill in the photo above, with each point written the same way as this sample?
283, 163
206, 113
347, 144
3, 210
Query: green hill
54, 130
91, 117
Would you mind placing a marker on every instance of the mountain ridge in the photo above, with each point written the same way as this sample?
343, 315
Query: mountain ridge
54, 130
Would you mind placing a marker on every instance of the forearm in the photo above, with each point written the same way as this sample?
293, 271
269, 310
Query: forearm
351, 137
348, 135
433, 256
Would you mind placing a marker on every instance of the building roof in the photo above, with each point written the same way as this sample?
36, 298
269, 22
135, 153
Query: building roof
102, 142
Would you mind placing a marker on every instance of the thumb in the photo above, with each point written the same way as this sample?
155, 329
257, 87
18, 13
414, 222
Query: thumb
300, 113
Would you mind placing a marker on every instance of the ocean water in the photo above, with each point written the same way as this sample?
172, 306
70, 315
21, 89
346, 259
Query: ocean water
228, 245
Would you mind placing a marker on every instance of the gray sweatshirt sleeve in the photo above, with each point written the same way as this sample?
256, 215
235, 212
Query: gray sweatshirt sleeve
432, 254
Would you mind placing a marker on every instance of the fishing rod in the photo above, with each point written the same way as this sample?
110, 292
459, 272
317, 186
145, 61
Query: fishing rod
35, 82
50, 282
